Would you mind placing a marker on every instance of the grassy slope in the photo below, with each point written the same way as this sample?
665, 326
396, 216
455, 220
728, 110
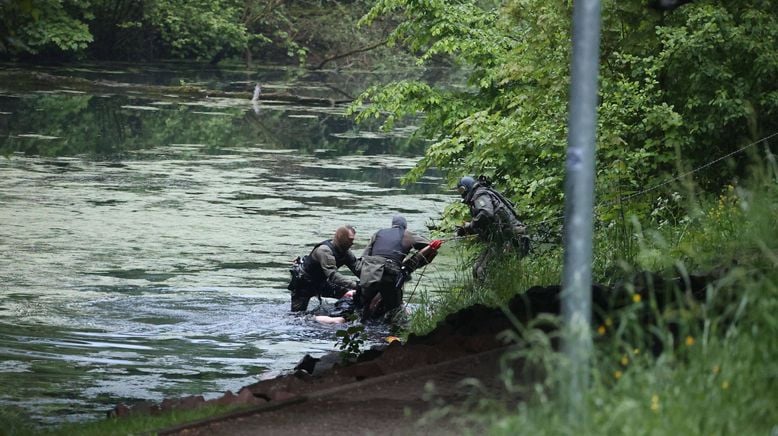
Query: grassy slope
718, 376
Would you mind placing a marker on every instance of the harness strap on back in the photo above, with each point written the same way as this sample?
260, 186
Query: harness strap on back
505, 201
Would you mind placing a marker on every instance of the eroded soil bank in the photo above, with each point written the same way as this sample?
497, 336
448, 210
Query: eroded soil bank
467, 339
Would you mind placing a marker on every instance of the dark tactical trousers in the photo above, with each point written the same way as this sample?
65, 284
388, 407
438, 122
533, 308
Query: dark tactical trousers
305, 290
391, 296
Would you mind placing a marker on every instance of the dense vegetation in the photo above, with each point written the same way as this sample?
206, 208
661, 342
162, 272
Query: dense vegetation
679, 89
688, 99
718, 353
310, 31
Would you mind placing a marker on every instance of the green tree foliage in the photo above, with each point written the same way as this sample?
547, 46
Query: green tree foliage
199, 30
172, 27
688, 85
275, 30
720, 72
40, 26
327, 29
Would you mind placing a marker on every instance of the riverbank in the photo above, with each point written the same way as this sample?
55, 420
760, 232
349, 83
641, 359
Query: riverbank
458, 377
394, 388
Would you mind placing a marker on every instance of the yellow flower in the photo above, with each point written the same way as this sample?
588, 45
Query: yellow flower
716, 369
601, 330
624, 360
617, 374
636, 298
636, 351
689, 341
725, 385
608, 322
655, 403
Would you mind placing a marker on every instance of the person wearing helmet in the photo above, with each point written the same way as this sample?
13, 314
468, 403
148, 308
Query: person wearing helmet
465, 185
493, 219
381, 266
317, 273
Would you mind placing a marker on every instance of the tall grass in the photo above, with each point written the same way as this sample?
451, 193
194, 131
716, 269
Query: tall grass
508, 276
719, 379
716, 370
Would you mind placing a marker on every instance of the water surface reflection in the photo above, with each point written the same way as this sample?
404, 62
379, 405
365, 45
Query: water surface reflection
146, 241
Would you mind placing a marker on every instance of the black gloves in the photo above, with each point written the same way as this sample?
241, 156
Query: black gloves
463, 230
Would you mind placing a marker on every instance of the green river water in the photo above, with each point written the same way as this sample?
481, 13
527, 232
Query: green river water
145, 236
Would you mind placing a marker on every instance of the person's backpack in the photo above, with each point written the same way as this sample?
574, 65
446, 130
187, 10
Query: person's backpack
520, 239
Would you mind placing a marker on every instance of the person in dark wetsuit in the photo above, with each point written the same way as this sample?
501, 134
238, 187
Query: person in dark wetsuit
320, 276
381, 266
494, 221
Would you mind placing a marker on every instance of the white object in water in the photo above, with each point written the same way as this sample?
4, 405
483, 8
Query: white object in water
257, 91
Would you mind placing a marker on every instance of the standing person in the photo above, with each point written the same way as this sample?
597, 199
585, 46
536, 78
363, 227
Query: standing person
493, 219
317, 273
381, 265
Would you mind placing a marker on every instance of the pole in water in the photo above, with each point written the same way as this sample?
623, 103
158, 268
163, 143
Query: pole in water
579, 200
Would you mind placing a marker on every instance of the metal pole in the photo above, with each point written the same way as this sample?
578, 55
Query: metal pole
579, 200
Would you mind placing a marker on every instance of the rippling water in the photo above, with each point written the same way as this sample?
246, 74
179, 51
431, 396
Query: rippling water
159, 269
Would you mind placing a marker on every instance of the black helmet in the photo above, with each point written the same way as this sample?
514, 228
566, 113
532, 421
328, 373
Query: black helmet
465, 185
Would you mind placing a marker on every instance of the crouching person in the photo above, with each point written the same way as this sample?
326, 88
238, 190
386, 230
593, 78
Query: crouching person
316, 275
381, 267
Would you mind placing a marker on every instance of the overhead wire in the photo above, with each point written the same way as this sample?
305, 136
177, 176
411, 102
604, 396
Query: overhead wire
666, 182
